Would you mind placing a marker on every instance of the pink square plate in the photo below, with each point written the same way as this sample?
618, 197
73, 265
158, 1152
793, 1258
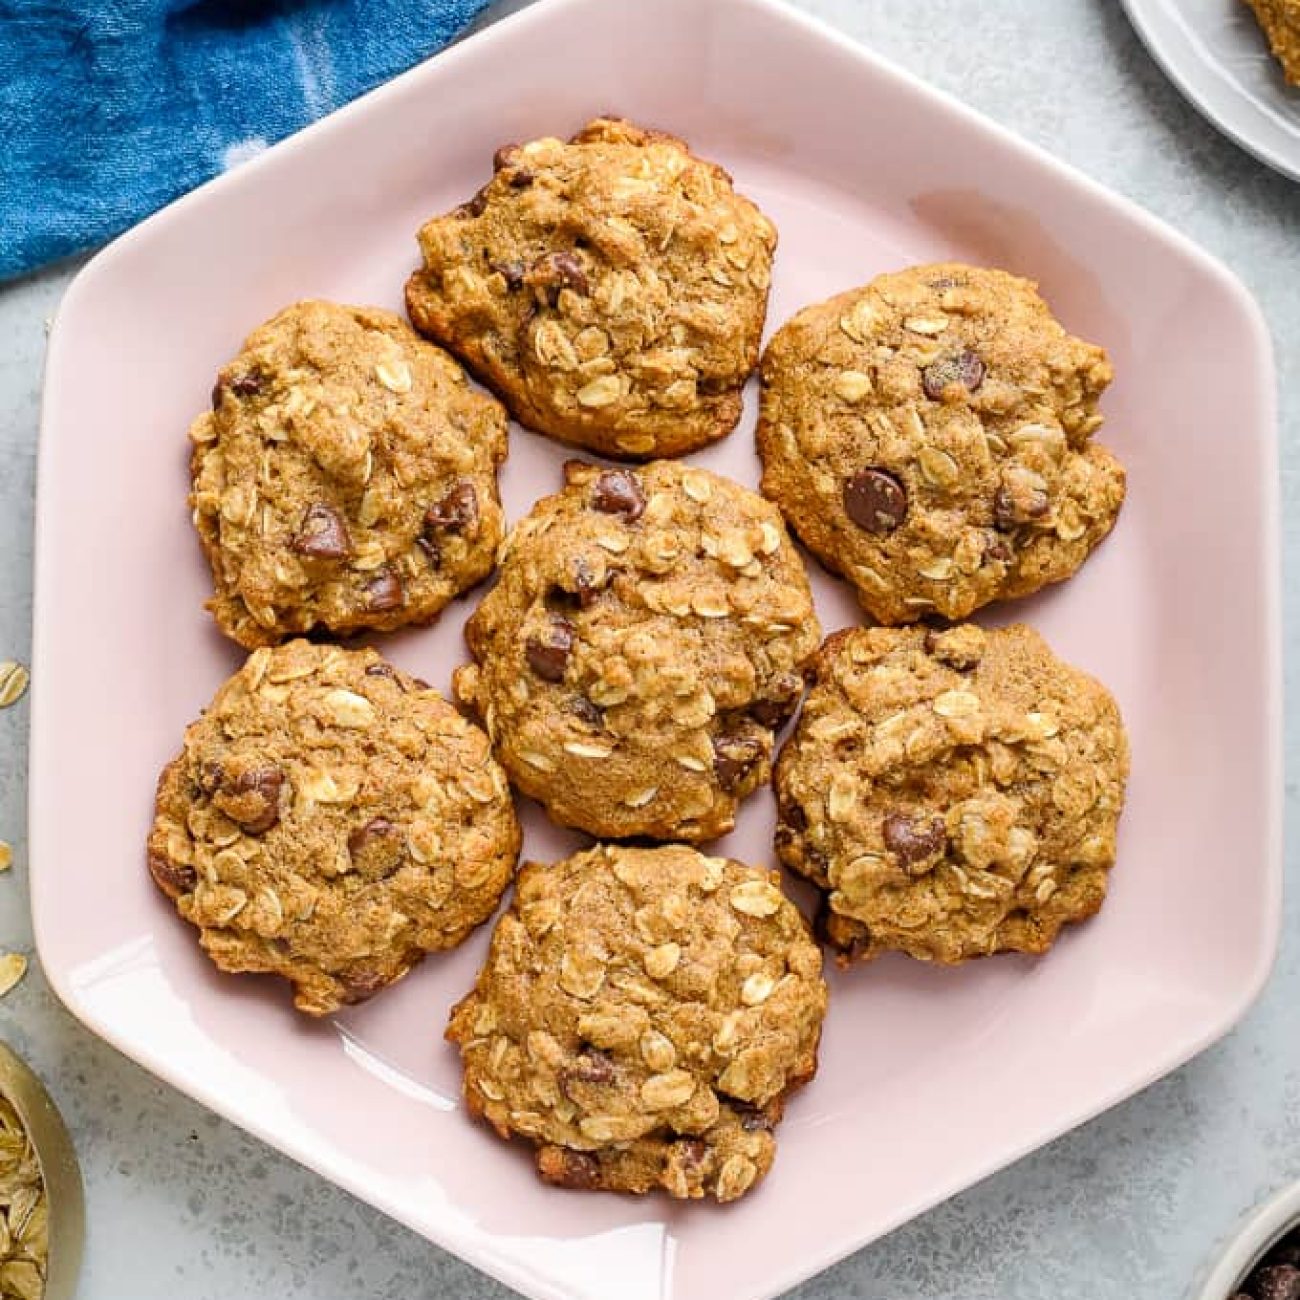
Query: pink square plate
930, 1078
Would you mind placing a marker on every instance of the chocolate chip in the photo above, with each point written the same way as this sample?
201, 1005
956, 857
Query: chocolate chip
216, 395
385, 670
1011, 509
360, 984
457, 512
691, 1154
1276, 1282
592, 714
173, 877
253, 799
556, 271
512, 272
913, 839
996, 549
752, 1119
562, 1167
211, 777
508, 159
590, 1066
474, 208
548, 651
585, 585
733, 759
375, 828
618, 492
875, 500
504, 156
322, 535
795, 816
964, 368
775, 711
384, 592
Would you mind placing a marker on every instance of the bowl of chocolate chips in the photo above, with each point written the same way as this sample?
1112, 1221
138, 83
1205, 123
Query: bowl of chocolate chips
1262, 1261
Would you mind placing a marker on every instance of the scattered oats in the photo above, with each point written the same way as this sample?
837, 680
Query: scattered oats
708, 605
757, 989
601, 391
771, 537
13, 682
937, 467
1045, 890
691, 763
939, 570
582, 749
664, 1091
641, 798
657, 1051
660, 962
697, 486
852, 385
348, 709
13, 966
756, 898
956, 704
394, 375
928, 325
735, 1177
539, 761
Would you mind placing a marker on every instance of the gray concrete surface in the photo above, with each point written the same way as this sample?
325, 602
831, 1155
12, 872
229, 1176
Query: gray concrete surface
183, 1206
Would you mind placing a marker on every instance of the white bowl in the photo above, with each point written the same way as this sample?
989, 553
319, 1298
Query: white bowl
1261, 1228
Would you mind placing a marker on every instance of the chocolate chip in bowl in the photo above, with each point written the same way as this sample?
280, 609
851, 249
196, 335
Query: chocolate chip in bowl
1262, 1260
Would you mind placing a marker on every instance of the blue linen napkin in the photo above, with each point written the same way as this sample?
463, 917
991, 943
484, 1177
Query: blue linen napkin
111, 108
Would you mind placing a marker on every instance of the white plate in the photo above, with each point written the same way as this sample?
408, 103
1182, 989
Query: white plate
1216, 54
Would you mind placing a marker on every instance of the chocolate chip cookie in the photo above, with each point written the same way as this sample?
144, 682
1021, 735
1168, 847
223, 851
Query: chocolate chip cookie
929, 437
611, 290
954, 793
331, 820
345, 478
644, 640
1280, 20
642, 1017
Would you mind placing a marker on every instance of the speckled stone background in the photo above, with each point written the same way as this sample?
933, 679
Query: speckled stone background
184, 1207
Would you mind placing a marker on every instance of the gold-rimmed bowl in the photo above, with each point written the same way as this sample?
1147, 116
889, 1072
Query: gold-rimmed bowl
65, 1202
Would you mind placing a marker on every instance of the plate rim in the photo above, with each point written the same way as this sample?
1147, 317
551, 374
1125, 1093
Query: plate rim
1141, 14
447, 1234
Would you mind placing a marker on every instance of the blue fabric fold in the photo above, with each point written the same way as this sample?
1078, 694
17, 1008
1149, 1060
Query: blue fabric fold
111, 108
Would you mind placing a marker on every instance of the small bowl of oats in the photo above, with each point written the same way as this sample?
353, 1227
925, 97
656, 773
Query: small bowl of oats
42, 1211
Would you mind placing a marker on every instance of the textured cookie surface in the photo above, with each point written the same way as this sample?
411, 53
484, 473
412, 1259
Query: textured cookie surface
1280, 20
611, 290
642, 1016
953, 793
345, 477
331, 820
929, 437
644, 639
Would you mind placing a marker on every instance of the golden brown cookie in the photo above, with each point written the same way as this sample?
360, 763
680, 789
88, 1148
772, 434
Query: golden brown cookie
644, 640
1280, 20
642, 1017
611, 290
953, 793
929, 437
331, 820
344, 479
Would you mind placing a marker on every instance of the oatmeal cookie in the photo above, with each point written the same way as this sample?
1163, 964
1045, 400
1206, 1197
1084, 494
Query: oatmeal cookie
645, 639
642, 1017
344, 479
954, 793
1280, 20
331, 820
929, 437
611, 290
